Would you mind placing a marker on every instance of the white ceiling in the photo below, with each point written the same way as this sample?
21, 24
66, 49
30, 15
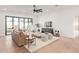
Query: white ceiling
29, 8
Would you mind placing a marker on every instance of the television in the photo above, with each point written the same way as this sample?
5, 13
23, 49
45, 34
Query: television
48, 24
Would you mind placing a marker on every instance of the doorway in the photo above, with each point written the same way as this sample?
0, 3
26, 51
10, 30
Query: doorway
76, 27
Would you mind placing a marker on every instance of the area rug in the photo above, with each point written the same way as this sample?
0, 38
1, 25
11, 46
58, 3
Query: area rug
40, 44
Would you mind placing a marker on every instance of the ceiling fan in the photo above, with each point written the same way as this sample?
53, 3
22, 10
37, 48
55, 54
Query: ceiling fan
36, 10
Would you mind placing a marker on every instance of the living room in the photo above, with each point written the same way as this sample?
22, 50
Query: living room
61, 19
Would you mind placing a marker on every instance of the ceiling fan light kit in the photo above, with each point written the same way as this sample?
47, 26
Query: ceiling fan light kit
36, 10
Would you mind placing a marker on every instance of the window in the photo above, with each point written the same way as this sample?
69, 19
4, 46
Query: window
8, 25
30, 21
16, 23
21, 23
12, 21
26, 23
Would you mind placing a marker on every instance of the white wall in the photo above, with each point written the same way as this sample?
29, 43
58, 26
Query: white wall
2, 25
63, 20
35, 19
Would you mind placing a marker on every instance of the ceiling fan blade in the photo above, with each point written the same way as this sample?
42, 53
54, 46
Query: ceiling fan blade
36, 10
40, 10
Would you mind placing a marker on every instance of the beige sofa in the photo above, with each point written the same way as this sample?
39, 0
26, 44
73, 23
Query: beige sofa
19, 38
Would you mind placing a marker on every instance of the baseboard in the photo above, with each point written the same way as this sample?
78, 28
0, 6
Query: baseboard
76, 37
2, 35
67, 37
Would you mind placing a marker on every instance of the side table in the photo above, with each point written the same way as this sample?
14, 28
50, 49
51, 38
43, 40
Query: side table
56, 33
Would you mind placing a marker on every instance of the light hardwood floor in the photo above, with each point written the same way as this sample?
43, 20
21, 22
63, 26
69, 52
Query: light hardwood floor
63, 45
8, 46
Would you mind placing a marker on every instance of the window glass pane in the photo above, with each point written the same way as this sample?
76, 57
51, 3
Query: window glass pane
30, 20
30, 23
9, 19
21, 23
9, 25
26, 20
16, 22
26, 23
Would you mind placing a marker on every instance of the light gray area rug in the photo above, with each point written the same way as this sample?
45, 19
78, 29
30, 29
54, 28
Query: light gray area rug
40, 44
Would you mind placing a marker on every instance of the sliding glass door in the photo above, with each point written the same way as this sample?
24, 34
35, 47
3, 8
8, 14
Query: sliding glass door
26, 23
20, 22
8, 25
15, 22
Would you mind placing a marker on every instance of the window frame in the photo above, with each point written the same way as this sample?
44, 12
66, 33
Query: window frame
18, 22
